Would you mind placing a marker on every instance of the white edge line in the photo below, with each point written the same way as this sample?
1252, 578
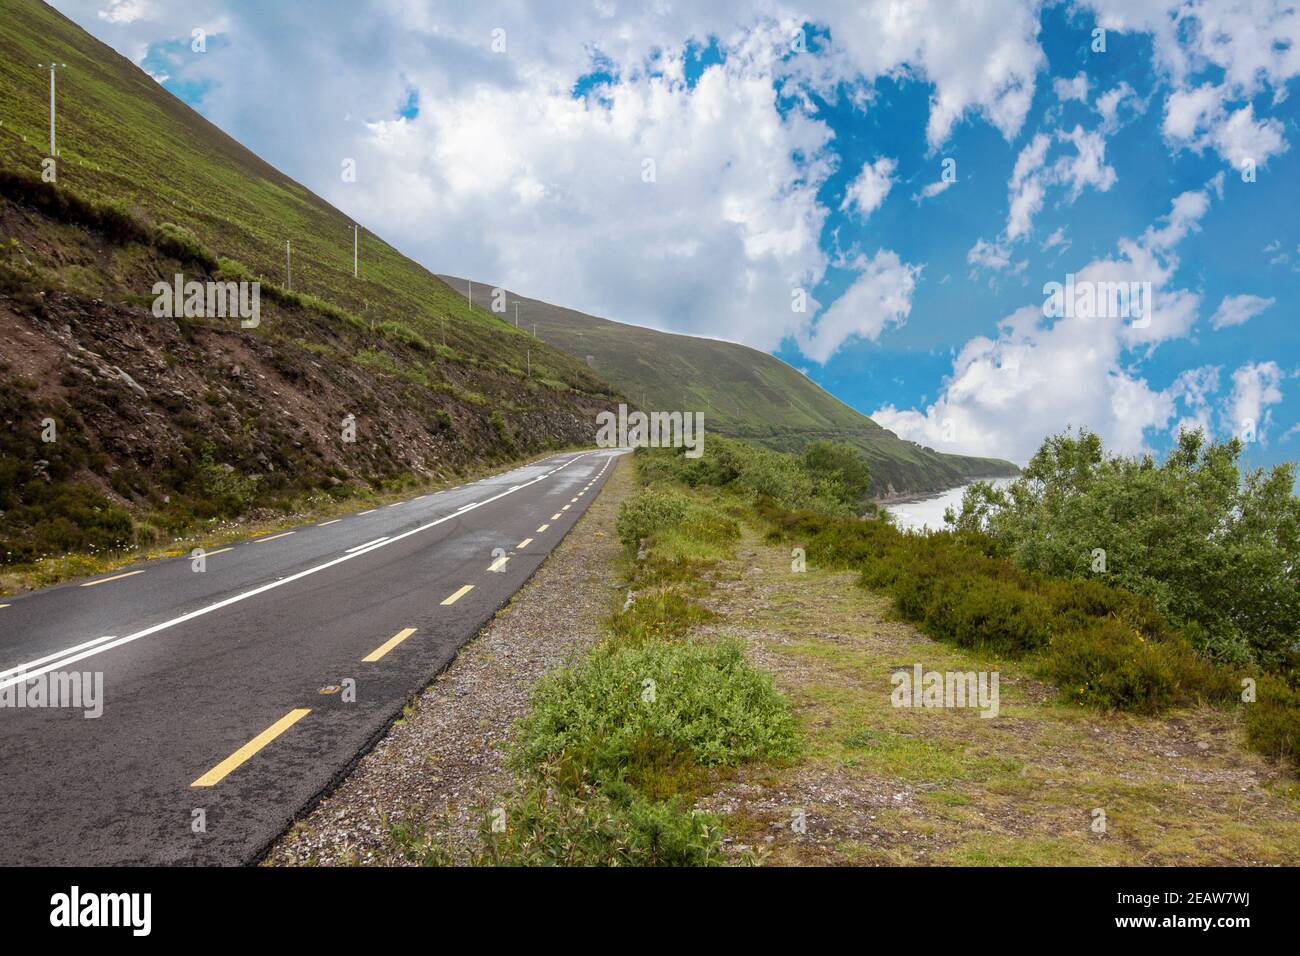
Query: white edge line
50, 657
368, 544
77, 653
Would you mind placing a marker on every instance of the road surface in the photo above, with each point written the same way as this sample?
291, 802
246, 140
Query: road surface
235, 695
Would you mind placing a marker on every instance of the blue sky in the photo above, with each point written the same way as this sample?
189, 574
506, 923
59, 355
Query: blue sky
790, 149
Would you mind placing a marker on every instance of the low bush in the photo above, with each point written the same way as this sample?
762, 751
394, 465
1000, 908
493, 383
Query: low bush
664, 512
1273, 720
628, 711
597, 827
1112, 666
657, 615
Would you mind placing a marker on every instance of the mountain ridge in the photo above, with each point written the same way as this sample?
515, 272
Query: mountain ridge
768, 401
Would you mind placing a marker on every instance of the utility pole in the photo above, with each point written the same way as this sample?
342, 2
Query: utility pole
356, 241
288, 264
530, 363
52, 67
469, 294
516, 315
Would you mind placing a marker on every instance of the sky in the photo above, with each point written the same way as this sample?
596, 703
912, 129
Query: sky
895, 198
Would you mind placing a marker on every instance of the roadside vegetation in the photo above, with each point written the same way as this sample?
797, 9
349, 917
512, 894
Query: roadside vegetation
1006, 581
612, 778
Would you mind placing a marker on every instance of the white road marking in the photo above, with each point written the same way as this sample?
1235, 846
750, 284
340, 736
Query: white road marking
370, 512
50, 657
81, 651
274, 537
499, 564
368, 544
541, 529
116, 577
331, 521
525, 543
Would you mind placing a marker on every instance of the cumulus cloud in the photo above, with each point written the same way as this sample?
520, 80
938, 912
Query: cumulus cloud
1238, 309
123, 11
1255, 386
880, 297
869, 189
1071, 89
502, 152
1244, 46
1006, 393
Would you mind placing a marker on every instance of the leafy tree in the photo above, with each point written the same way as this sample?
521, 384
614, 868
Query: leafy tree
1216, 548
841, 469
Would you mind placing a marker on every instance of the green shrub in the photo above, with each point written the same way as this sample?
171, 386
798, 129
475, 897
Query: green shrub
982, 613
592, 723
654, 511
658, 615
1110, 668
593, 827
647, 512
1273, 720
1216, 548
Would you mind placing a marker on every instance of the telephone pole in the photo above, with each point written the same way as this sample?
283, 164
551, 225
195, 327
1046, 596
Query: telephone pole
52, 67
356, 242
288, 264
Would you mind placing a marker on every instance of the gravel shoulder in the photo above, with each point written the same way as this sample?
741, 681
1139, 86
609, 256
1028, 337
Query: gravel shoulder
442, 766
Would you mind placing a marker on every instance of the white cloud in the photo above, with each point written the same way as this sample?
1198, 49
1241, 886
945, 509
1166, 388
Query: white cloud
868, 191
880, 297
1006, 393
1255, 386
122, 11
1247, 45
502, 154
1025, 191
1238, 309
1199, 118
1071, 89
989, 255
931, 190
1087, 167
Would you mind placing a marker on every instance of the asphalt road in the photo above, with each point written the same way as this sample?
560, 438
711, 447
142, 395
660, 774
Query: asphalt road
233, 696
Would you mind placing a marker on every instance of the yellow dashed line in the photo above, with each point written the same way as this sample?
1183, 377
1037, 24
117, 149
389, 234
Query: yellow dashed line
208, 554
3, 605
116, 577
275, 537
556, 516
223, 769
541, 529
566, 507
388, 645
459, 594
525, 543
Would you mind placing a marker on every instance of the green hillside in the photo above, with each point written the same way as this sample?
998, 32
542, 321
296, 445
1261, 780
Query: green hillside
124, 429
123, 139
743, 392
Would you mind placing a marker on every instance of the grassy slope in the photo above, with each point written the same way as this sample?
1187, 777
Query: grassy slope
743, 392
123, 138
